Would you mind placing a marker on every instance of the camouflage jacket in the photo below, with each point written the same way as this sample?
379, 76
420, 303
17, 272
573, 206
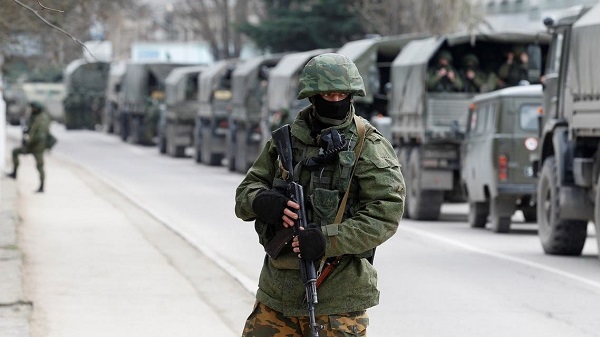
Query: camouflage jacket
374, 208
38, 132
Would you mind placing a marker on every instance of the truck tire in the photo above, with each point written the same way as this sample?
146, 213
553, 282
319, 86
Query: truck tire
558, 236
500, 220
421, 204
478, 213
162, 144
403, 156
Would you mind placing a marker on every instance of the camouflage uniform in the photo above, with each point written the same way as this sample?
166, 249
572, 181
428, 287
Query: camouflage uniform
443, 84
34, 141
510, 74
478, 81
371, 216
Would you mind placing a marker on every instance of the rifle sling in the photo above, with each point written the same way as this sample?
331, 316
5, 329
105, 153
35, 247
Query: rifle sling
329, 264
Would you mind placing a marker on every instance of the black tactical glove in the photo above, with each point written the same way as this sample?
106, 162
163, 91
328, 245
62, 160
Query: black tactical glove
269, 205
312, 242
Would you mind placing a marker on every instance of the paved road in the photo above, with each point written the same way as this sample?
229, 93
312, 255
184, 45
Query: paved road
437, 278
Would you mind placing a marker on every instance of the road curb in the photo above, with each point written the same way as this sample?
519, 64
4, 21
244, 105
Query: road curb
14, 309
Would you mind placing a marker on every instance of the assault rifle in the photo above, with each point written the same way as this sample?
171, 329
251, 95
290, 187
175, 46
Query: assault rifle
295, 192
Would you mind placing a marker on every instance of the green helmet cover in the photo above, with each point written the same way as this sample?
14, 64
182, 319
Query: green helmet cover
330, 72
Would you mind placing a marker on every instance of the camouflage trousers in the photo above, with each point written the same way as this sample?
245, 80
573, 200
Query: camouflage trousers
266, 322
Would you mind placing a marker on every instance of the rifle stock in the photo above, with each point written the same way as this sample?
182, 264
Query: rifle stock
295, 191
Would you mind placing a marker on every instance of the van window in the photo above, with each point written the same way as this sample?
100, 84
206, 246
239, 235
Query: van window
478, 119
528, 114
490, 126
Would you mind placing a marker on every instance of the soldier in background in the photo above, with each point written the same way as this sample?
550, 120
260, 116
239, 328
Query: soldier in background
473, 78
515, 68
443, 77
324, 136
35, 138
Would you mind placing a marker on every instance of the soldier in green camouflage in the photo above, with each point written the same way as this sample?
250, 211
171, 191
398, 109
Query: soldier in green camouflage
35, 139
442, 77
324, 136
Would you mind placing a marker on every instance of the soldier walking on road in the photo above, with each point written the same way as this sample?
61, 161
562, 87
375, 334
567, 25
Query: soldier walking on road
35, 141
342, 170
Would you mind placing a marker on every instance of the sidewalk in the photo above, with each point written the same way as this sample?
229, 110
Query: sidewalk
94, 264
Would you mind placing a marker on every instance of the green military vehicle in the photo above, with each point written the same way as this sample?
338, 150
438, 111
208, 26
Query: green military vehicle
249, 89
143, 90
568, 160
428, 127
496, 156
215, 108
113, 90
178, 114
85, 85
373, 58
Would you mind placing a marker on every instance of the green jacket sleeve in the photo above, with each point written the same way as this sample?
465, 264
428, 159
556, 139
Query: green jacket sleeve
259, 176
381, 195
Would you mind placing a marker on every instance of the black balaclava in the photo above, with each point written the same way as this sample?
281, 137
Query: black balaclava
332, 113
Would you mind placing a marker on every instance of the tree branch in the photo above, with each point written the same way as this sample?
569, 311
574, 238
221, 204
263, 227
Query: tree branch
48, 8
54, 26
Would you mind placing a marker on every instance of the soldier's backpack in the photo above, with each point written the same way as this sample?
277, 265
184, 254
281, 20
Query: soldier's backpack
50, 141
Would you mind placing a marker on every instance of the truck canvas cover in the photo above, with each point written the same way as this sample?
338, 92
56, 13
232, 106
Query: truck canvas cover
135, 83
176, 82
209, 77
283, 85
364, 54
583, 77
245, 76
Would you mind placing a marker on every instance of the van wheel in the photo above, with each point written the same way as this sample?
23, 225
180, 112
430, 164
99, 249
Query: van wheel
558, 236
422, 204
500, 222
162, 145
478, 213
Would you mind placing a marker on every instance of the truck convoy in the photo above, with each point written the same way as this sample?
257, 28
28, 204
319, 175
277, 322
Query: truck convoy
85, 84
428, 126
143, 90
249, 88
568, 163
215, 108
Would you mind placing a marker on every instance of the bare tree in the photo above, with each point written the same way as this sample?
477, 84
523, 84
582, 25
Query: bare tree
392, 17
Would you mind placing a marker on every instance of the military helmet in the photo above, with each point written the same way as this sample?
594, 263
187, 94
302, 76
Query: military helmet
470, 60
444, 55
330, 72
36, 105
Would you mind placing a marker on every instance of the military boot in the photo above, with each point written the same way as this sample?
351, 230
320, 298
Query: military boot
13, 174
41, 189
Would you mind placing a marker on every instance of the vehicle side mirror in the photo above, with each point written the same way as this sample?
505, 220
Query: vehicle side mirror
534, 67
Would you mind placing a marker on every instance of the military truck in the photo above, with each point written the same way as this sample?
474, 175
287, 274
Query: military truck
568, 163
179, 112
496, 156
428, 127
143, 90
85, 84
249, 89
215, 108
373, 58
16, 105
113, 90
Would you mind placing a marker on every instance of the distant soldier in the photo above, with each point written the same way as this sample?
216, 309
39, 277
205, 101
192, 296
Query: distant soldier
515, 69
443, 77
35, 138
474, 79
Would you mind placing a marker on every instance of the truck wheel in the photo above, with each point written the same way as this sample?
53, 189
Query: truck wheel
500, 222
478, 213
558, 236
162, 145
135, 131
403, 157
421, 204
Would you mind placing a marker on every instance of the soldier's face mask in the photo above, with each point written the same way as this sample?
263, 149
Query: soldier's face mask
332, 110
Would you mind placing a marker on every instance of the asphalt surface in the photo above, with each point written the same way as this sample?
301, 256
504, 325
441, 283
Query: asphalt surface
83, 260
